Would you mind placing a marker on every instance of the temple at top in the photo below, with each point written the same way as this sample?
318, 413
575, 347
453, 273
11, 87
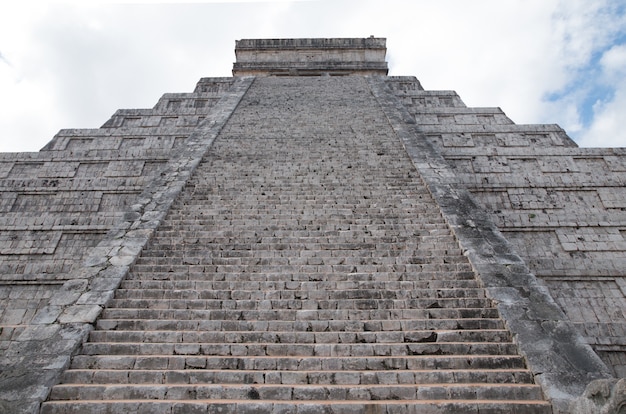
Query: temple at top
310, 57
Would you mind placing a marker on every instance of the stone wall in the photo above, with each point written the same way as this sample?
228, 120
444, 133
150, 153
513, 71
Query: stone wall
75, 216
58, 204
562, 207
262, 57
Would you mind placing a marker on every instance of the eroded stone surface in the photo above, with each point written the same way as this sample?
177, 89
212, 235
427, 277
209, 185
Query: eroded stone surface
523, 201
602, 397
60, 325
304, 261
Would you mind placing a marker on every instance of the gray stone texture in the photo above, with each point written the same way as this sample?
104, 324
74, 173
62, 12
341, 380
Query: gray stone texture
72, 286
351, 244
556, 354
306, 57
303, 250
561, 207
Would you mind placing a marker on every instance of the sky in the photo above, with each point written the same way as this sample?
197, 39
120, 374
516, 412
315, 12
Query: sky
73, 64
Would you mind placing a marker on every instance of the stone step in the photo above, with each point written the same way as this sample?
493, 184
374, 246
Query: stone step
198, 273
300, 230
303, 225
300, 349
298, 304
212, 249
333, 271
322, 185
248, 264
199, 285
297, 209
277, 254
313, 294
421, 236
267, 224
300, 315
197, 214
347, 377
193, 246
298, 363
301, 270
420, 230
204, 256
293, 197
198, 406
305, 177
431, 230
297, 326
281, 337
306, 392
273, 237
294, 208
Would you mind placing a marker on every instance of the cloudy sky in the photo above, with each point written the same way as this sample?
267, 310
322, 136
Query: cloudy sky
72, 64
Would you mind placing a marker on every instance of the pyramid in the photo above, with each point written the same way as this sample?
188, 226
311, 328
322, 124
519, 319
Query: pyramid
312, 235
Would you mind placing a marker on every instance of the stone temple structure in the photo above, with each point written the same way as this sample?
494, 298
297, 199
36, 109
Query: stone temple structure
313, 236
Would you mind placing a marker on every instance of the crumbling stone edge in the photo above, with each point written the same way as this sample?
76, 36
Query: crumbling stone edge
559, 358
35, 361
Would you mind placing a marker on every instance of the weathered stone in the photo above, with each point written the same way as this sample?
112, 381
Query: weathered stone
38, 333
93, 297
69, 292
606, 396
300, 233
47, 314
310, 57
122, 260
80, 313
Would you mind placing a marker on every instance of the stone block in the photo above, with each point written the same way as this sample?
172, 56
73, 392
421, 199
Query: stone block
80, 313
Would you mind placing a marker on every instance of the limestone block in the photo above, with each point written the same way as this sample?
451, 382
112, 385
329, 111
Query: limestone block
69, 292
615, 163
484, 141
28, 242
80, 314
5, 168
457, 140
464, 119
491, 164
533, 198
126, 168
557, 164
25, 169
591, 239
613, 197
58, 169
594, 165
92, 169
512, 140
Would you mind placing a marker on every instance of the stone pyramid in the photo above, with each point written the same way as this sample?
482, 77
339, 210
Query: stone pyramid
312, 235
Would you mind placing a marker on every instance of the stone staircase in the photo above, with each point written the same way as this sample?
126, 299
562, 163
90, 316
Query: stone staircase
304, 269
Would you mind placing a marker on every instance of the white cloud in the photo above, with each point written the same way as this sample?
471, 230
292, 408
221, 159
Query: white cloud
584, 31
607, 128
614, 63
73, 65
